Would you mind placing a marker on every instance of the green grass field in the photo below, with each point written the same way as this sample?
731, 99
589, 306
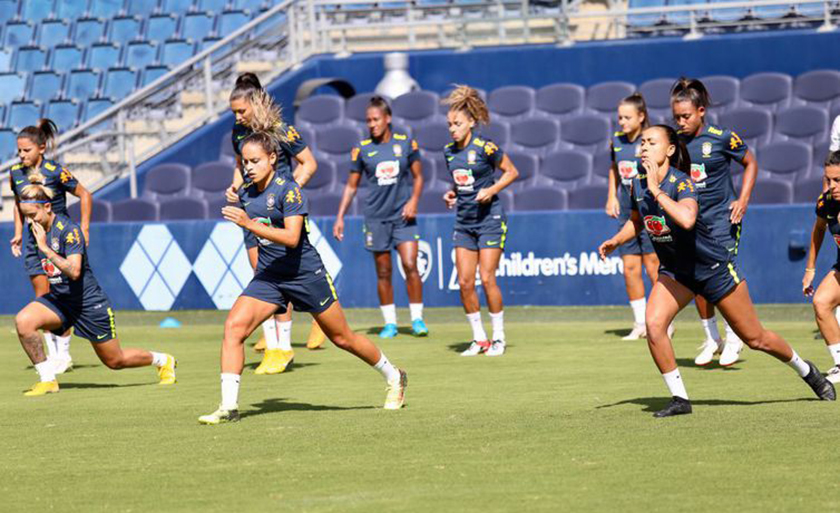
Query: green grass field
561, 423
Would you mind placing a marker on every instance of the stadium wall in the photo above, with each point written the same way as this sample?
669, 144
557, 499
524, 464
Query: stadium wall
550, 259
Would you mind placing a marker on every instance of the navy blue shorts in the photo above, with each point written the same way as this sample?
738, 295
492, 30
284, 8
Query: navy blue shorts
387, 235
31, 260
310, 295
489, 235
713, 287
94, 321
727, 234
638, 245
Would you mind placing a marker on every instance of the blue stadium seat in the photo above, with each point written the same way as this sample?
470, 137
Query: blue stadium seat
432, 138
414, 107
567, 169
103, 56
176, 209
497, 131
684, 18
724, 91
45, 86
142, 7
819, 87
644, 20
769, 90
177, 51
535, 135
89, 31
53, 33
752, 124
657, 94
770, 12
5, 59
167, 181
36, 10
12, 86
8, 144
119, 83
320, 110
215, 6
137, 209
23, 114
197, 26
337, 141
152, 73
106, 8
249, 5
560, 100
586, 132
18, 33
161, 28
784, 160
604, 97
124, 29
726, 15
96, 106
804, 123
177, 6
140, 54
82, 84
806, 191
232, 20
770, 191
210, 179
511, 102
527, 165
66, 57
207, 42
65, 10
540, 198
8, 10
355, 108
101, 212
31, 58
65, 113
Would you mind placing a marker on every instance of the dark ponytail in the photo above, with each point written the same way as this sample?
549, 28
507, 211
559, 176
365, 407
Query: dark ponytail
638, 101
833, 159
247, 84
42, 134
680, 159
378, 102
690, 90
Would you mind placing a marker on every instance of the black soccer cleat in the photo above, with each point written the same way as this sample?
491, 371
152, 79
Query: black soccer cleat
677, 406
821, 386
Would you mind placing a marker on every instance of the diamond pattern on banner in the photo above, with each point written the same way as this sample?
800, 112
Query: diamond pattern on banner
156, 268
222, 265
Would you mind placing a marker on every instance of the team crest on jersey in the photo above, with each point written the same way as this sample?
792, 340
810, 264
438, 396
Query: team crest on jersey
397, 150
471, 156
658, 229
698, 174
628, 169
637, 150
387, 173
55, 244
464, 179
707, 150
270, 201
672, 179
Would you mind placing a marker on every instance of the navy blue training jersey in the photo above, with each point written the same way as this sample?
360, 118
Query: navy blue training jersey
66, 238
386, 167
711, 153
626, 156
692, 253
472, 169
281, 198
827, 209
56, 178
288, 150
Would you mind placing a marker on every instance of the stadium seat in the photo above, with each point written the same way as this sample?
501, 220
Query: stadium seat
415, 107
770, 191
161, 27
496, 131
124, 29
807, 190
355, 108
657, 94
752, 124
53, 33
100, 211
8, 10
167, 181
8, 143
177, 51
66, 57
70, 10
82, 83
803, 123
326, 204
431, 202
177, 6
727, 15
588, 197
784, 160
540, 198
96, 106
88, 31
106, 8
324, 177
18, 33
215, 206
432, 138
230, 21
102, 56
319, 111
586, 132
209, 180
12, 86
769, 90
142, 7
771, 12
527, 165
337, 142
537, 135
152, 73
560, 100
511, 102
140, 54
31, 58
215, 6
566, 169
138, 210
818, 88
249, 5
64, 113
604, 97
429, 168
119, 82
23, 114
45, 86
820, 152
723, 90
176, 209
197, 25
207, 42
6, 59
226, 148
644, 20
601, 166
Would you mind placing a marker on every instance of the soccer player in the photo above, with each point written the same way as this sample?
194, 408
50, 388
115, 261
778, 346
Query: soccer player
289, 269
693, 262
638, 252
480, 222
74, 300
827, 295
248, 100
385, 161
34, 142
712, 149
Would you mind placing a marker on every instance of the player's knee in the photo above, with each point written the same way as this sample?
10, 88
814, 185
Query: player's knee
824, 304
236, 329
466, 284
383, 273
758, 341
409, 268
114, 362
656, 327
488, 280
25, 323
343, 340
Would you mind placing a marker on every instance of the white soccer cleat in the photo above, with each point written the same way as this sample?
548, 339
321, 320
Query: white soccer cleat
833, 375
62, 364
476, 348
708, 350
496, 349
731, 352
638, 332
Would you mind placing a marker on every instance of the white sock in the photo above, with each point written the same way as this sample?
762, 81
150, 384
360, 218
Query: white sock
49, 342
284, 335
837, 314
834, 351
675, 384
798, 364
477, 328
45, 370
270, 332
62, 345
710, 327
230, 391
638, 306
388, 371
389, 313
730, 334
497, 320
416, 310
158, 359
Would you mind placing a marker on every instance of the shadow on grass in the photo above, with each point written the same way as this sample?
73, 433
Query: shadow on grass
103, 385
280, 405
653, 404
689, 363
75, 367
288, 370
302, 345
617, 333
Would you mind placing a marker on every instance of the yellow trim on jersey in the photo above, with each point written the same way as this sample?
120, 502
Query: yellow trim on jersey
618, 134
365, 142
332, 287
400, 137
448, 145
17, 166
478, 142
733, 273
50, 167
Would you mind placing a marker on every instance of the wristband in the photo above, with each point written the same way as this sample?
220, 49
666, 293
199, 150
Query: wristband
656, 197
810, 269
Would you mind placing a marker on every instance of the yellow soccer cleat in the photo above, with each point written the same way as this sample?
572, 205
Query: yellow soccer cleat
316, 337
220, 416
395, 398
275, 363
166, 373
268, 360
259, 347
42, 388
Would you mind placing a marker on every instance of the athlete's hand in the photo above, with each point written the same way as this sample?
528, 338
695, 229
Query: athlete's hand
484, 196
409, 210
16, 243
612, 208
450, 199
607, 247
86, 233
807, 283
231, 196
651, 172
40, 236
738, 208
338, 229
236, 215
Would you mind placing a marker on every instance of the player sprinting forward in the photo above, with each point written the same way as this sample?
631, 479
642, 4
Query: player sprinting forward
693, 262
247, 101
74, 300
480, 222
289, 270
712, 149
385, 161
637, 253
34, 142
827, 295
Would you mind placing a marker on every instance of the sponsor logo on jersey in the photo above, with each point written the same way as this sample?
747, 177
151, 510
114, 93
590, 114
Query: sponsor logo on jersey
53, 273
837, 240
716, 131
707, 149
387, 172
656, 226
628, 169
372, 153
698, 174
464, 179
